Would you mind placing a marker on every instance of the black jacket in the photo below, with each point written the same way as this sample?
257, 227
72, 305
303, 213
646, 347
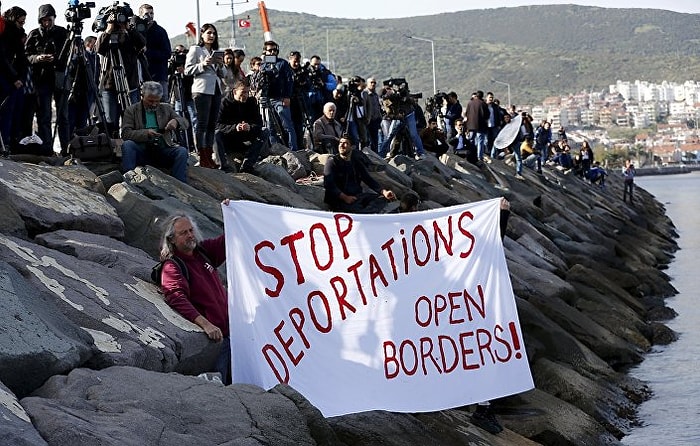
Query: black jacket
233, 112
46, 41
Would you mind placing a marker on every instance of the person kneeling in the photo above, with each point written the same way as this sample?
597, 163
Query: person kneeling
147, 130
239, 130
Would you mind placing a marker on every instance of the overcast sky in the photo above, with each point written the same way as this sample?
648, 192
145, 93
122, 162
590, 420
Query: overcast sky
173, 15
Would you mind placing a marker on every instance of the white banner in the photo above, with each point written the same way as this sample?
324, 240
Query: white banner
405, 312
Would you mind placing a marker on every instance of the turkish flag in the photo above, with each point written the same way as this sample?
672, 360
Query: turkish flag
244, 23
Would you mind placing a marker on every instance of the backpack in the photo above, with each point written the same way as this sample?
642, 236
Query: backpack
157, 270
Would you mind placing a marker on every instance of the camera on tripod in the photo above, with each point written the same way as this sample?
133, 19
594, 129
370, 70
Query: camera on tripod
177, 60
434, 103
77, 11
114, 13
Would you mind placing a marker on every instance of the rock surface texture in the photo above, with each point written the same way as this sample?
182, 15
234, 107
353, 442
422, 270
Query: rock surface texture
91, 355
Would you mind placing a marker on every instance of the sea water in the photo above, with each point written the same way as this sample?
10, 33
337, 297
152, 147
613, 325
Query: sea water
672, 415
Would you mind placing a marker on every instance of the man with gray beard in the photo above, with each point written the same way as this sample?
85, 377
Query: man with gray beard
147, 130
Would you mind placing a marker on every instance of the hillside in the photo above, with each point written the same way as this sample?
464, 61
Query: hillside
538, 50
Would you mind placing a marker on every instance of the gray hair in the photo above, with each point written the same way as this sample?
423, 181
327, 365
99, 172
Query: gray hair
151, 88
167, 247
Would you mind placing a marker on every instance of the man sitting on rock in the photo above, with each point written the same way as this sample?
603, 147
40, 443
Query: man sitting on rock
343, 176
327, 130
239, 130
148, 133
197, 293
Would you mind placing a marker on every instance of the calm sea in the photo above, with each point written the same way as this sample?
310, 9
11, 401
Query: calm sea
672, 415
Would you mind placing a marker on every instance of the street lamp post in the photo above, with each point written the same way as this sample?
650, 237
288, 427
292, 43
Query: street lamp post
432, 48
507, 85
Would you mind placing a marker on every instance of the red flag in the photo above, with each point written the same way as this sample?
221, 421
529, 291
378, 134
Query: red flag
190, 30
244, 23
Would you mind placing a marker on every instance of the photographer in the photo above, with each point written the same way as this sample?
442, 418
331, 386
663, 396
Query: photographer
321, 85
299, 105
43, 48
157, 47
399, 106
119, 47
351, 110
276, 86
147, 131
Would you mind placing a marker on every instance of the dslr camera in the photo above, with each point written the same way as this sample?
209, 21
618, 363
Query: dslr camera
77, 11
112, 14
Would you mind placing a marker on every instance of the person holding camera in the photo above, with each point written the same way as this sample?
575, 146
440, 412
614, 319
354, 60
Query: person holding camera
399, 106
147, 130
158, 47
277, 87
43, 49
322, 83
120, 46
206, 65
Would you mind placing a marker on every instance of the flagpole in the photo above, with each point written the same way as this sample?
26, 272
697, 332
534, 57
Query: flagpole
233, 20
196, 36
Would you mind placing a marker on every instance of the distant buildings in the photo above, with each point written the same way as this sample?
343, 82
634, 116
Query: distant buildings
674, 107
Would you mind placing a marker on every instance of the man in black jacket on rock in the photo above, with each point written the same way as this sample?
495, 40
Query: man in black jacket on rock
239, 130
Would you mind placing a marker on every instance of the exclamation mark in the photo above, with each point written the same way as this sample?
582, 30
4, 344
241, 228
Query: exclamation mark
516, 340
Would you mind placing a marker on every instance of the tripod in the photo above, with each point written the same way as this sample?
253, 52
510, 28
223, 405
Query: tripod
272, 121
307, 132
75, 66
176, 81
119, 73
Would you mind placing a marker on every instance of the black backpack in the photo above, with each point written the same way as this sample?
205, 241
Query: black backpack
157, 269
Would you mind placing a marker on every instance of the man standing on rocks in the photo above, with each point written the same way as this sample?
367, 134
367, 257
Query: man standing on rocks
195, 291
628, 173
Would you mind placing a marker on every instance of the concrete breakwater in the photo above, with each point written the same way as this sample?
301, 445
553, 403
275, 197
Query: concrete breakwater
90, 354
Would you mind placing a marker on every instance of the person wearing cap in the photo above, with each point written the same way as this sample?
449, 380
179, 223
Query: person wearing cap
43, 48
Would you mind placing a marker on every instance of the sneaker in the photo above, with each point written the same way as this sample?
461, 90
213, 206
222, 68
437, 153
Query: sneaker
484, 418
420, 157
487, 160
519, 177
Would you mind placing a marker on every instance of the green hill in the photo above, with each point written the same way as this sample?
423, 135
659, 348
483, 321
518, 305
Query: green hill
539, 50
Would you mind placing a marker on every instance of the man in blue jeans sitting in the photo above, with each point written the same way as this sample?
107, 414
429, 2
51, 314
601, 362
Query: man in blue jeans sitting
147, 129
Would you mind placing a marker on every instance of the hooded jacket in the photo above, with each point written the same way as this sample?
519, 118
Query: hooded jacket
46, 11
46, 41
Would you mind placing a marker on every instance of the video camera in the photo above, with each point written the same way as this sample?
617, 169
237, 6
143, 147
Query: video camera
115, 14
77, 11
400, 87
177, 60
434, 103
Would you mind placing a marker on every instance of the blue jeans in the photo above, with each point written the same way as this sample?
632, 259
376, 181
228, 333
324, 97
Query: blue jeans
137, 154
410, 122
47, 95
113, 110
517, 154
207, 106
223, 361
285, 115
10, 99
479, 140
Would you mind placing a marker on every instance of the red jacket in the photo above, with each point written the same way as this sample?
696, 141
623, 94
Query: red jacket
204, 293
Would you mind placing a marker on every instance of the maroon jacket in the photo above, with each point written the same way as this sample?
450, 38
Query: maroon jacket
203, 294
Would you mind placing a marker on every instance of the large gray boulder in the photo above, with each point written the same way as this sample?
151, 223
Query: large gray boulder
124, 316
45, 202
127, 405
37, 340
16, 428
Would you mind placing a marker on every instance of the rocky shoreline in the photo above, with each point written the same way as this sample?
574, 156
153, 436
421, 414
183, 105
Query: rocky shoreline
90, 354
